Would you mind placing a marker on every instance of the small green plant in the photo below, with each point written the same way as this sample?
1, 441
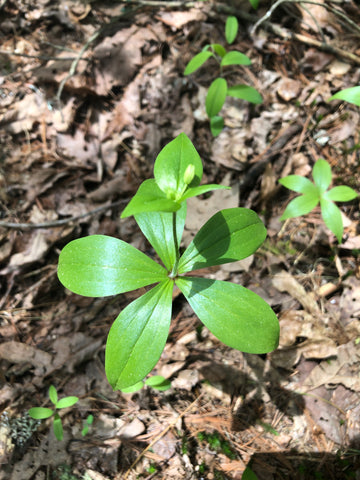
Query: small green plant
351, 95
99, 265
249, 474
219, 88
315, 193
157, 382
41, 413
87, 424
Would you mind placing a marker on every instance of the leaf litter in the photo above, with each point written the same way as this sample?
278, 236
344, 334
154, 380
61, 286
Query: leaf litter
64, 155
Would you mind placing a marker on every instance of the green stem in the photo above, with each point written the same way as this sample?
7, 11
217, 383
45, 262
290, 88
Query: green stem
174, 270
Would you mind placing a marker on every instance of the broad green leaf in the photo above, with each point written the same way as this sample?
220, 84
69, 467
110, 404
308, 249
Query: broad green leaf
216, 125
98, 265
219, 49
235, 58
299, 184
351, 95
134, 388
300, 206
58, 428
138, 336
201, 189
230, 235
197, 61
215, 97
322, 174
342, 193
40, 413
231, 29
254, 4
245, 92
332, 217
172, 163
53, 394
67, 402
248, 474
235, 315
158, 229
149, 198
158, 382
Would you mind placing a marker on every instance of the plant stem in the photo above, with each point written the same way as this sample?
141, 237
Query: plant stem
173, 272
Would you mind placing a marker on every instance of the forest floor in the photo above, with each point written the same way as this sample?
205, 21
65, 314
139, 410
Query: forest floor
89, 94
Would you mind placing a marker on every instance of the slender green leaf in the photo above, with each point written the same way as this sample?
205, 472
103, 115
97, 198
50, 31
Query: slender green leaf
299, 184
149, 198
322, 174
248, 474
53, 394
230, 235
254, 4
215, 97
58, 428
235, 315
134, 388
231, 29
138, 336
216, 125
197, 61
158, 229
245, 92
219, 49
300, 206
332, 217
342, 193
201, 189
172, 163
98, 265
67, 402
235, 58
40, 413
351, 95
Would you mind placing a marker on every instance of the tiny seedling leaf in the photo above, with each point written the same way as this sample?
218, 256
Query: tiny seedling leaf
235, 58
67, 402
216, 125
245, 92
351, 95
300, 206
134, 388
215, 97
219, 49
98, 265
332, 217
234, 314
342, 193
322, 174
40, 413
53, 394
231, 29
299, 184
138, 336
197, 61
230, 235
58, 428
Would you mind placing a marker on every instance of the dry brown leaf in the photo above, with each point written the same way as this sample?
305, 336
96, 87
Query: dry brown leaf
17, 352
285, 282
179, 19
288, 89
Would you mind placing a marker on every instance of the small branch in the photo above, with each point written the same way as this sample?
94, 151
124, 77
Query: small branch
40, 57
59, 223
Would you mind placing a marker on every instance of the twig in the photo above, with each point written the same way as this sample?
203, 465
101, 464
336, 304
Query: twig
40, 57
59, 223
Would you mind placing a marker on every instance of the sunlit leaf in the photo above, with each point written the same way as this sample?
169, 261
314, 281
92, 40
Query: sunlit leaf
134, 388
158, 382
300, 206
235, 315
351, 95
197, 61
53, 394
342, 193
235, 58
98, 265
216, 125
322, 174
67, 402
254, 4
248, 474
58, 428
219, 49
231, 29
332, 217
215, 97
245, 92
40, 413
299, 184
201, 189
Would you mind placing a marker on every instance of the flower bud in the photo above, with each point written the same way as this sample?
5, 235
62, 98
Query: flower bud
189, 174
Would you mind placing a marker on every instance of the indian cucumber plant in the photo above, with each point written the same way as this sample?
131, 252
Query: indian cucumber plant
99, 265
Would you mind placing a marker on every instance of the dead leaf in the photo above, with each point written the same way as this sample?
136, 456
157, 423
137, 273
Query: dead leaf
285, 282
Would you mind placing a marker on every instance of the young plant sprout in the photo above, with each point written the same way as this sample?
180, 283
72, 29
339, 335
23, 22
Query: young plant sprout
100, 265
315, 193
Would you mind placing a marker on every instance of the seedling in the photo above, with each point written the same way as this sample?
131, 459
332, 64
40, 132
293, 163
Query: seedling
88, 422
40, 413
313, 193
157, 382
99, 265
219, 89
351, 95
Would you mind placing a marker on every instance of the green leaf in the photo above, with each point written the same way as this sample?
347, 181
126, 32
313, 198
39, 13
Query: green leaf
149, 198
230, 235
158, 229
351, 95
248, 474
254, 4
300, 206
219, 49
235, 315
231, 29
171, 165
322, 174
201, 189
197, 61
67, 402
245, 92
332, 217
158, 382
215, 97
53, 394
58, 428
98, 265
134, 388
299, 184
235, 58
216, 125
138, 336
40, 413
341, 193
